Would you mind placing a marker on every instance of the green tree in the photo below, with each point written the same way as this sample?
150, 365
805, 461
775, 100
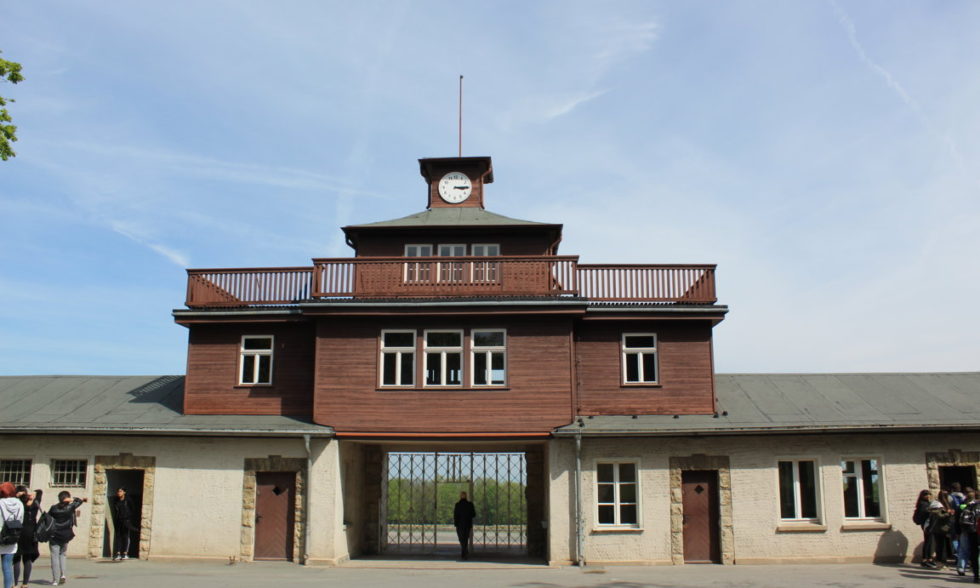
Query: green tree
9, 71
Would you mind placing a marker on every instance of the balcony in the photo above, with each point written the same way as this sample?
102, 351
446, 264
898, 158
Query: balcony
451, 277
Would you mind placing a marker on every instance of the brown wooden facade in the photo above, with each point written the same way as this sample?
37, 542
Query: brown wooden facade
564, 325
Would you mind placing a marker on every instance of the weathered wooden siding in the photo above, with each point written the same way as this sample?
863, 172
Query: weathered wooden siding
537, 397
686, 380
212, 371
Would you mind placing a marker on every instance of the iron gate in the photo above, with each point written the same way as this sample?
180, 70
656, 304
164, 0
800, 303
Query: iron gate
421, 489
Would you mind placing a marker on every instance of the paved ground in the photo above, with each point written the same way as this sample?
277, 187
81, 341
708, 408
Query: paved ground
422, 574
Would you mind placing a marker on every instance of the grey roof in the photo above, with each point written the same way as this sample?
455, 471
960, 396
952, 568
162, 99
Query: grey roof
124, 405
452, 217
773, 403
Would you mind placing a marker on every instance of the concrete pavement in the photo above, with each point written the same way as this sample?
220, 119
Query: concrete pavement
435, 574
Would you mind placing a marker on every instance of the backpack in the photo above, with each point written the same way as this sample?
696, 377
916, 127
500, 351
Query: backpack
920, 516
44, 528
10, 534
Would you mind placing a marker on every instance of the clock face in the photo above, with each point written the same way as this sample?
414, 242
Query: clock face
455, 187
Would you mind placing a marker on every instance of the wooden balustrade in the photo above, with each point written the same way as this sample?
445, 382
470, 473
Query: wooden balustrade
422, 277
693, 284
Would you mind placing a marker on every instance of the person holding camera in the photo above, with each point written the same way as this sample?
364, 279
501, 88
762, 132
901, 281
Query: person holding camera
64, 513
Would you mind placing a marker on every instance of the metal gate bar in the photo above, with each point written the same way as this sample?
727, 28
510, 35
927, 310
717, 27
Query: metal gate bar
421, 488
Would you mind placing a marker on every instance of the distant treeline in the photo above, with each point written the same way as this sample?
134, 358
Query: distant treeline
432, 501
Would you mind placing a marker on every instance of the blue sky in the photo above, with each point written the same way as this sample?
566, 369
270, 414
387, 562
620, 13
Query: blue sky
823, 154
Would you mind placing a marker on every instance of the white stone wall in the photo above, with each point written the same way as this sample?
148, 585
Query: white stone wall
759, 536
198, 487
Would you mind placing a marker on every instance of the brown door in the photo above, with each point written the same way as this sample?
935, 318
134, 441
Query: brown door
699, 490
275, 497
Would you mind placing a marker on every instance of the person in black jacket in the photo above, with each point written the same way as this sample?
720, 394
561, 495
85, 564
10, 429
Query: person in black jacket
122, 523
463, 515
63, 513
27, 551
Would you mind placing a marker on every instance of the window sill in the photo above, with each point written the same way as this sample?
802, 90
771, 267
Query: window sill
800, 527
641, 385
613, 530
255, 386
866, 526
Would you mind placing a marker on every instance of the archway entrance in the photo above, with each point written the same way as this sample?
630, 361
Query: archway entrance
420, 489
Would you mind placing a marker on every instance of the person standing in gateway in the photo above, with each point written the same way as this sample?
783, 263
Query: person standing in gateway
122, 526
463, 516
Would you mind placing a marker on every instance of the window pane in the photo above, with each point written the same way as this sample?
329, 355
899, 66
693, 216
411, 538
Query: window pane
850, 498
649, 367
454, 369
480, 369
808, 490
640, 341
627, 514
399, 340
248, 369
787, 509
607, 515
408, 369
847, 467
627, 472
433, 369
259, 343
869, 476
488, 338
604, 471
388, 370
265, 369
498, 374
627, 492
443, 339
606, 493
632, 367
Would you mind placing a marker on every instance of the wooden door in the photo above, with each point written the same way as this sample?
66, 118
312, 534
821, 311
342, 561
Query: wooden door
699, 490
275, 508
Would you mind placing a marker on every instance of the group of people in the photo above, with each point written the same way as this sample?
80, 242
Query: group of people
949, 527
19, 507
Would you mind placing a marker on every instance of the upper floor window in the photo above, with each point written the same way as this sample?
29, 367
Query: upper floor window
68, 473
16, 471
397, 358
256, 359
485, 249
452, 250
489, 351
798, 490
616, 493
418, 251
640, 358
443, 358
862, 488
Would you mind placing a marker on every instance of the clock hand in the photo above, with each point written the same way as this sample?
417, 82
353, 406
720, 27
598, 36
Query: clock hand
459, 187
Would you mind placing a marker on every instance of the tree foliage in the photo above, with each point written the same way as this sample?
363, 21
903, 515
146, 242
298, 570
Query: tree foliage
10, 72
432, 501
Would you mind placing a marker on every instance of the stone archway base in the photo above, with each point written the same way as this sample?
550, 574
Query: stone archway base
123, 461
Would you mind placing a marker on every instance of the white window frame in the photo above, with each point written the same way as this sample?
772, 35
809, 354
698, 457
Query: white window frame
489, 350
640, 351
256, 353
461, 246
451, 271
398, 352
442, 351
408, 247
474, 246
858, 478
617, 503
80, 473
5, 473
798, 493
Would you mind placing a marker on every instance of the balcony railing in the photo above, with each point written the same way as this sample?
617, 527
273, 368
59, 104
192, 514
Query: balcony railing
448, 277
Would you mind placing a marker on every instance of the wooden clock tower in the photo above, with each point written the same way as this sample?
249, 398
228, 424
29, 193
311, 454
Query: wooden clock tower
456, 182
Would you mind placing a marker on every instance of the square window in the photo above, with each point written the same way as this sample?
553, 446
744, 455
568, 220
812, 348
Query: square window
16, 471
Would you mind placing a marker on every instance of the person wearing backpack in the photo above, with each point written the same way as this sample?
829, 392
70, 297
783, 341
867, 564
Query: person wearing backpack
920, 516
12, 517
27, 551
63, 513
967, 523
